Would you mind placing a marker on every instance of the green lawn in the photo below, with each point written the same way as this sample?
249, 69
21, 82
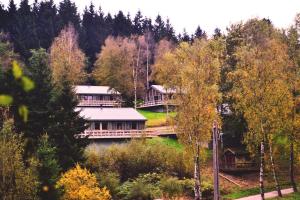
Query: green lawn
166, 141
156, 118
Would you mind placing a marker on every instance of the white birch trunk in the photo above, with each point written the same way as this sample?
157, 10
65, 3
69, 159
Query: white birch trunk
274, 170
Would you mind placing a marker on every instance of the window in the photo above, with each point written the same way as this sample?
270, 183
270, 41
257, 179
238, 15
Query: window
119, 125
134, 125
104, 125
97, 125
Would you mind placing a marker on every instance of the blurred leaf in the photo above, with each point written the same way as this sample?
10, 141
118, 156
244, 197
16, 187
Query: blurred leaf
23, 112
16, 69
27, 84
5, 100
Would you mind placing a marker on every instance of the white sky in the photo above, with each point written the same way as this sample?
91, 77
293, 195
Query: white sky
209, 14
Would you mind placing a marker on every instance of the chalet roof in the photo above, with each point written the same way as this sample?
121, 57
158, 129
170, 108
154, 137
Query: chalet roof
87, 89
236, 151
162, 89
110, 114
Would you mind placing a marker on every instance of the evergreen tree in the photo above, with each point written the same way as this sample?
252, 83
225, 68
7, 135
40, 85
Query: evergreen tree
47, 23
137, 27
24, 37
159, 29
67, 124
199, 33
38, 100
48, 169
121, 25
67, 13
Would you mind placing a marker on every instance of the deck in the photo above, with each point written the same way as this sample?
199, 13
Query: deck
239, 167
99, 103
116, 134
155, 103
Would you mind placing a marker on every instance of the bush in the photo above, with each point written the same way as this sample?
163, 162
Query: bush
171, 188
111, 181
140, 157
145, 187
80, 184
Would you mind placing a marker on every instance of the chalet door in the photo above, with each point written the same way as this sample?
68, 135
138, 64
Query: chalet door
230, 160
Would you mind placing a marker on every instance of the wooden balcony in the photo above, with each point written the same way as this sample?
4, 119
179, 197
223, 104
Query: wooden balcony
100, 103
102, 134
156, 103
239, 167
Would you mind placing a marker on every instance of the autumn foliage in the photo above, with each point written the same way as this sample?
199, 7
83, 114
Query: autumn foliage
80, 184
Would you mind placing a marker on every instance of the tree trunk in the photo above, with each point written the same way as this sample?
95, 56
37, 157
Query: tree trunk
292, 177
216, 162
261, 171
197, 187
274, 170
135, 71
147, 63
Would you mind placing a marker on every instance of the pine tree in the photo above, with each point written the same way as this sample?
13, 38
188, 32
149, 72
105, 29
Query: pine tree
38, 100
67, 14
67, 124
48, 169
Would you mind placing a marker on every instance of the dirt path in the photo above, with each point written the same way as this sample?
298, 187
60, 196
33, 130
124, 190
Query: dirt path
267, 195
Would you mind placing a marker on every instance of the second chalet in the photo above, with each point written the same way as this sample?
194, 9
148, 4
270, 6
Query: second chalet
157, 98
97, 96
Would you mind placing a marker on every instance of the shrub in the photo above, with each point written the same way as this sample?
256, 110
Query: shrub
144, 187
140, 157
171, 188
80, 184
111, 181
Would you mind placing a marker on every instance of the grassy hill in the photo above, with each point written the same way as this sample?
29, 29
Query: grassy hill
156, 118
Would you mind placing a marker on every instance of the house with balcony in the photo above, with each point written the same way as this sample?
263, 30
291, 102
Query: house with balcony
157, 98
112, 123
97, 96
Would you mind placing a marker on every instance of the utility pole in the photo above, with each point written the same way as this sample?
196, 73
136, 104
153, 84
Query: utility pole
216, 161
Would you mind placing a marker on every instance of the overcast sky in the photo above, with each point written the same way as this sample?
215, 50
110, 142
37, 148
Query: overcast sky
209, 14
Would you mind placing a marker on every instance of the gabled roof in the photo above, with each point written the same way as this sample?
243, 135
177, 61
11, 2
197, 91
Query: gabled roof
163, 90
87, 89
110, 114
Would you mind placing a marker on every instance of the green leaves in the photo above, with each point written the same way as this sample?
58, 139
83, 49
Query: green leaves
27, 84
5, 100
23, 112
16, 69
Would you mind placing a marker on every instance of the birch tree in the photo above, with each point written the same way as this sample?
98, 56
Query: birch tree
66, 57
196, 79
262, 95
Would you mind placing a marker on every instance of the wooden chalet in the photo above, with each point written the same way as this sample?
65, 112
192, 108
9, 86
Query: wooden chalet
236, 160
97, 96
157, 97
113, 123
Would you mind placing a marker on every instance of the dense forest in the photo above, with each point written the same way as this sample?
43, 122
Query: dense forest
36, 26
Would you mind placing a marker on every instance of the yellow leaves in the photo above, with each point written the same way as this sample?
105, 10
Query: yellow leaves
80, 184
260, 87
66, 58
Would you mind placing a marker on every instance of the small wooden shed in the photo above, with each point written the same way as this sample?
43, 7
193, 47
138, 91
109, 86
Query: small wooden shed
237, 160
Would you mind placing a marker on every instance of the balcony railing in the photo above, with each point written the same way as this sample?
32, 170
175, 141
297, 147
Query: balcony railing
109, 103
156, 103
97, 134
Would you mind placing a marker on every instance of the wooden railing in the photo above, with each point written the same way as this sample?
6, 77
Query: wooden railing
97, 134
112, 103
156, 103
239, 166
